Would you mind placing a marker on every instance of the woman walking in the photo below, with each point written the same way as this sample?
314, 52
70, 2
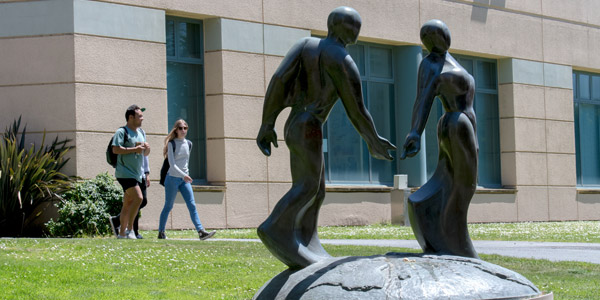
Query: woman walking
177, 151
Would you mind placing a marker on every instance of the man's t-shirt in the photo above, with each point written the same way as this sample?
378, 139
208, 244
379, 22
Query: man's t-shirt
129, 165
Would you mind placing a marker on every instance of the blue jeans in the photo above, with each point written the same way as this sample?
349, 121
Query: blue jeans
172, 185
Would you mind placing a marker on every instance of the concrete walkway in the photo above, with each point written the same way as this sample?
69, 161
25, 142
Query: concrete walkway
583, 252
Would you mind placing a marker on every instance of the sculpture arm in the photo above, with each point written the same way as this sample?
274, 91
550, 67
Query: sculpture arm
346, 78
276, 97
426, 92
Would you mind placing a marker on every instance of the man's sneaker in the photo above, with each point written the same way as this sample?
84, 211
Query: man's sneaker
115, 229
139, 236
130, 234
161, 235
205, 235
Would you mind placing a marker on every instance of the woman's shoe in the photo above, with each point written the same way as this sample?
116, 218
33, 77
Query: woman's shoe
205, 235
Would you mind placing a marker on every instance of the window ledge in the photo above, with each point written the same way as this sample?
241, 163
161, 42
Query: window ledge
209, 188
482, 190
358, 188
588, 190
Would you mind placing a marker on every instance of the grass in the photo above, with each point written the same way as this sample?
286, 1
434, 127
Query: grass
107, 268
576, 232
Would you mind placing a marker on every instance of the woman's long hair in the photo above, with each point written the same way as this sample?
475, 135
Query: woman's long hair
173, 134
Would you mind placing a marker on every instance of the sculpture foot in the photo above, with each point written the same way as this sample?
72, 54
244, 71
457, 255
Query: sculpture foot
286, 246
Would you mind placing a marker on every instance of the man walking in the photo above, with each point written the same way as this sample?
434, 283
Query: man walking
129, 174
115, 221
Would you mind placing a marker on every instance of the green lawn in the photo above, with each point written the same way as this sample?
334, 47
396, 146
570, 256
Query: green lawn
107, 268
581, 232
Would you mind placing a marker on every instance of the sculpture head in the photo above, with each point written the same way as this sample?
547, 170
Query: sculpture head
344, 23
435, 36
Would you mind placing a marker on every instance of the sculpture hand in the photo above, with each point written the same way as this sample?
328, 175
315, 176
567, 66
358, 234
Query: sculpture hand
266, 136
380, 150
411, 146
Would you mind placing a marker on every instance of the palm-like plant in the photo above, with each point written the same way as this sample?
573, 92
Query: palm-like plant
28, 178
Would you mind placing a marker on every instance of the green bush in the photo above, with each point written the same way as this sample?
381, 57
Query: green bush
29, 180
84, 209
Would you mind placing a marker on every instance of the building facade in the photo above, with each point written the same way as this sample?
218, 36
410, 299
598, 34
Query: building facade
72, 67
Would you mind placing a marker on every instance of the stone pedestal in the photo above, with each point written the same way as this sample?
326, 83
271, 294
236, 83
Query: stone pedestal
400, 276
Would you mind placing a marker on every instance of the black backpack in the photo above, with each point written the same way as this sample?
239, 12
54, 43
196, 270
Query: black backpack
111, 157
165, 166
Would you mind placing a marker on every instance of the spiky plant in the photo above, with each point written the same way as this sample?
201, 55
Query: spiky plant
28, 178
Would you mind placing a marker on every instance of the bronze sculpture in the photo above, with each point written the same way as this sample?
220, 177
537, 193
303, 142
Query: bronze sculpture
313, 75
438, 210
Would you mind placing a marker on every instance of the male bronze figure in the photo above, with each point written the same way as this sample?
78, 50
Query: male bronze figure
313, 75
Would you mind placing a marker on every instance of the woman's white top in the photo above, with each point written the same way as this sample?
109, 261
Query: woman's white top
179, 159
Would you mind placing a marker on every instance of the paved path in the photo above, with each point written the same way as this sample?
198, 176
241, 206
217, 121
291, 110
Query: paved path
584, 252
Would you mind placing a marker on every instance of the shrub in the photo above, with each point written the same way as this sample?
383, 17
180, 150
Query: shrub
84, 209
29, 179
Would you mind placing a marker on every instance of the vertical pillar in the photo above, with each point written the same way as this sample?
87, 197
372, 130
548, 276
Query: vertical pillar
407, 60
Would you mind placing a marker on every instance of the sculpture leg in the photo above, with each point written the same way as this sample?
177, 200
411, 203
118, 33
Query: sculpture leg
309, 225
461, 144
288, 232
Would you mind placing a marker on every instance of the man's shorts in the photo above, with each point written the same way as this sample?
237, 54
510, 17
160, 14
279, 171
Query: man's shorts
128, 183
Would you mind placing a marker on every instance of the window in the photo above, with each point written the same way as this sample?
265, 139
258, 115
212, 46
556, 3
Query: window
347, 159
185, 86
586, 95
486, 111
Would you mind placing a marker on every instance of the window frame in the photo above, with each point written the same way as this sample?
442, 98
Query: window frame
179, 59
577, 100
439, 110
366, 80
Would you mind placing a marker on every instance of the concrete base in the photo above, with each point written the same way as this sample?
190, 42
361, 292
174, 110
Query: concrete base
400, 276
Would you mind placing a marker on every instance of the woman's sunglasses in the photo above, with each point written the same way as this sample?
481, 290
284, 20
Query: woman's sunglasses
182, 128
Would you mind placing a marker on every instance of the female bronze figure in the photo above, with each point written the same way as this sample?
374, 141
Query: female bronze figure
438, 210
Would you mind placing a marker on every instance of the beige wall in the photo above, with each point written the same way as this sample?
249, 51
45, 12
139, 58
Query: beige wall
86, 74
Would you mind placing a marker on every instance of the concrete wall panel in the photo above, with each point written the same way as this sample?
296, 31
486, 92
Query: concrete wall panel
487, 208
477, 29
213, 72
532, 203
243, 74
561, 170
562, 203
565, 43
102, 108
120, 62
244, 162
529, 135
509, 169
531, 168
521, 100
243, 116
574, 10
215, 160
387, 20
559, 104
250, 10
588, 206
49, 107
559, 136
36, 60
215, 114
246, 204
355, 209
534, 7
